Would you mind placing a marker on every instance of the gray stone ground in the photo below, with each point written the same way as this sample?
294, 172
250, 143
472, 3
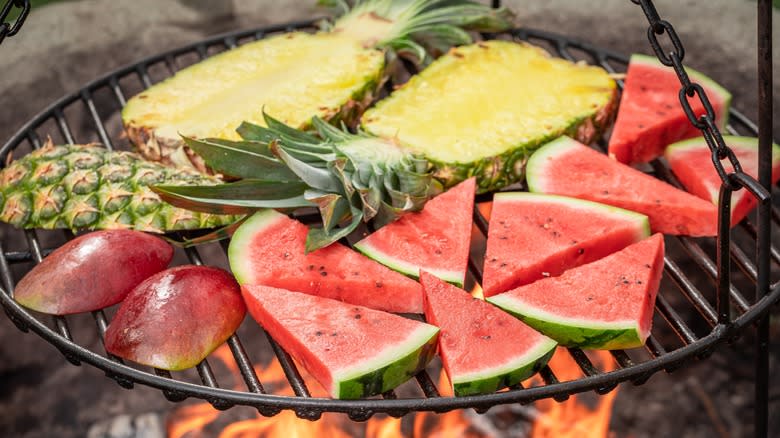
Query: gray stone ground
62, 46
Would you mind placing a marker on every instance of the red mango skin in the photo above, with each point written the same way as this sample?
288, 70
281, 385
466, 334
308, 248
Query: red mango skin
92, 271
177, 317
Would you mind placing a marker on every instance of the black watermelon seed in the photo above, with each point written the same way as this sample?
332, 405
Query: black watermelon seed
581, 251
322, 268
378, 284
323, 273
647, 265
358, 316
311, 267
502, 265
486, 337
318, 333
334, 334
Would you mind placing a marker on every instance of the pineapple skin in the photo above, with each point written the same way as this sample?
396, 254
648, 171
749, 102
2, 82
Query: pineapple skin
87, 187
494, 171
498, 171
172, 151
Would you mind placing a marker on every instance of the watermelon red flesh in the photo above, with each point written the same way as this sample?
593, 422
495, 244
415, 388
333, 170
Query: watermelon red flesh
436, 239
532, 236
268, 249
691, 162
483, 349
650, 116
353, 351
607, 304
567, 167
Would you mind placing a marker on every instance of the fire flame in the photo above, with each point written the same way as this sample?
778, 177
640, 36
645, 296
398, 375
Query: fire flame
572, 418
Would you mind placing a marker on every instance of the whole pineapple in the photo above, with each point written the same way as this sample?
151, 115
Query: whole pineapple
89, 187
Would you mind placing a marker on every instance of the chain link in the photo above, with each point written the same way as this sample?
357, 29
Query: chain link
706, 122
7, 29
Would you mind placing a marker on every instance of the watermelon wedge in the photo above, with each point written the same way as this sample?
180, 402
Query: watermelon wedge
650, 116
483, 349
436, 239
567, 167
268, 249
532, 236
353, 351
607, 304
691, 162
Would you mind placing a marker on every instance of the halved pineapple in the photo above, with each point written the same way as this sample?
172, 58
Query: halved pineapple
483, 109
333, 75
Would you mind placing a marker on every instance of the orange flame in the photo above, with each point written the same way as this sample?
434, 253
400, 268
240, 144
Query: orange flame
573, 418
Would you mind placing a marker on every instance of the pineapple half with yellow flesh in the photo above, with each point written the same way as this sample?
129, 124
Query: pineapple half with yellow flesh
479, 110
484, 108
333, 74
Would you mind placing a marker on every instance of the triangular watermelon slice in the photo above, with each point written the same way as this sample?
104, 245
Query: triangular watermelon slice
353, 351
567, 167
532, 236
607, 304
269, 249
650, 116
436, 239
483, 349
691, 162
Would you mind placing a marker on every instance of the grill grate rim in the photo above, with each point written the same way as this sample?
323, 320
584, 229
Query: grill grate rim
627, 366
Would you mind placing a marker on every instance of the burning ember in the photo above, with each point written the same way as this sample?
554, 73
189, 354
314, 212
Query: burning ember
573, 418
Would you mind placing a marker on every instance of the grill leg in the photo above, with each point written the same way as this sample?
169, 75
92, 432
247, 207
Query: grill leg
764, 45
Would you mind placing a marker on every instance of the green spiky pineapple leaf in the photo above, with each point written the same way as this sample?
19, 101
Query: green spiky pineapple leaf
349, 177
240, 197
241, 159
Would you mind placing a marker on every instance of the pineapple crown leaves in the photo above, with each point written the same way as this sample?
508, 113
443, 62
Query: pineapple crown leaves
350, 178
411, 26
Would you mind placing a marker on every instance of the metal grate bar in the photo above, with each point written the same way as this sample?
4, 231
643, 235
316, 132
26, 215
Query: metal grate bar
480, 221
170, 64
34, 140
673, 318
475, 270
202, 52
621, 357
710, 268
426, 384
751, 230
289, 368
207, 374
113, 83
143, 74
63, 126
86, 97
245, 365
583, 362
550, 379
690, 292
563, 50
654, 347
743, 262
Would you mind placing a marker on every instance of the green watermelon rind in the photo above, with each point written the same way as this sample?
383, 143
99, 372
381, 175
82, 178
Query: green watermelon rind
574, 332
697, 77
520, 368
412, 270
389, 368
242, 240
643, 223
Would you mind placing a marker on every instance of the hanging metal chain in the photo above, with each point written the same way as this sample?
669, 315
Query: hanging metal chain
7, 29
706, 122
